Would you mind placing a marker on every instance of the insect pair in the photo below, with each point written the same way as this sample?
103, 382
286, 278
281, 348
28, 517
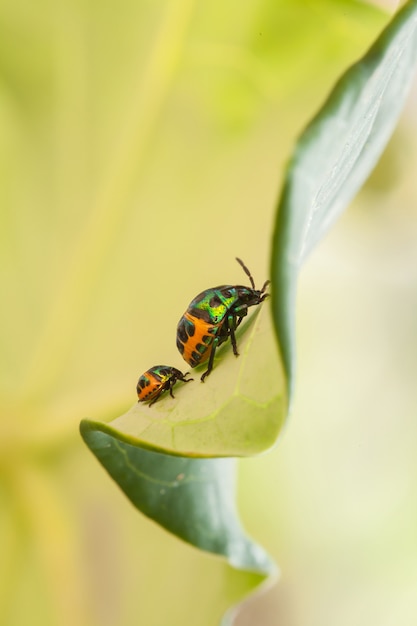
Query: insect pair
210, 319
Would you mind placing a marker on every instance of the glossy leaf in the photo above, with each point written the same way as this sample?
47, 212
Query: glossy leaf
192, 498
128, 133
334, 156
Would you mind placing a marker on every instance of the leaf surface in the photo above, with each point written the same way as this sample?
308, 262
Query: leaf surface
192, 498
334, 156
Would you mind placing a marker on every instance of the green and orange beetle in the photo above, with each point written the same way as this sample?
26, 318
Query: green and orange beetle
158, 379
212, 317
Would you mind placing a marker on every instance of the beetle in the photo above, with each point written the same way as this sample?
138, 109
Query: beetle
212, 317
158, 379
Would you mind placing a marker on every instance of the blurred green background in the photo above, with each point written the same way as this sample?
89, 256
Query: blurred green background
142, 148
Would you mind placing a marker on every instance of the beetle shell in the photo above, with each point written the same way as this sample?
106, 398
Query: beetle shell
201, 323
156, 380
212, 317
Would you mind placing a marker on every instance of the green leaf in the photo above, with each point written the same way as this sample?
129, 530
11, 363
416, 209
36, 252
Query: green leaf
192, 498
195, 498
116, 125
334, 156
238, 411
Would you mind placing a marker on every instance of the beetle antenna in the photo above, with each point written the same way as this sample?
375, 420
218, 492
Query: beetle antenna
266, 283
247, 272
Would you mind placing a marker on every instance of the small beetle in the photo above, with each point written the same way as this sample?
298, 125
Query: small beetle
212, 317
156, 380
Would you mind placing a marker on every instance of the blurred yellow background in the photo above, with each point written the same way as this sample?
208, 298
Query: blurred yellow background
142, 149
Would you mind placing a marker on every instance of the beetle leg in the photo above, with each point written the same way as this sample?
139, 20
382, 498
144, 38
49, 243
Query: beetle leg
223, 338
211, 360
232, 326
240, 311
171, 383
156, 397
